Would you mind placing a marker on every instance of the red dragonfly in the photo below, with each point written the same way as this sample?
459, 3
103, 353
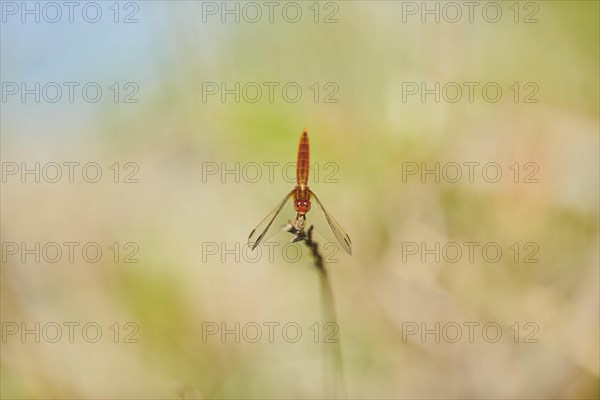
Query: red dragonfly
302, 203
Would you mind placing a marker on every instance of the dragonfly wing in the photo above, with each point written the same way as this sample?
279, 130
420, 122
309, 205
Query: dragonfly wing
341, 236
266, 228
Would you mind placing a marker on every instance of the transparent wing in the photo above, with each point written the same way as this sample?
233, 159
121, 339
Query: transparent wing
341, 236
266, 228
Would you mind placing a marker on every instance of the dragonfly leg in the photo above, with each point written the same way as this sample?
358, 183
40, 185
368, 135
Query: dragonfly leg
300, 222
297, 228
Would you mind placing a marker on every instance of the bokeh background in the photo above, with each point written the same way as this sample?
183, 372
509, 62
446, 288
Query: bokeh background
174, 212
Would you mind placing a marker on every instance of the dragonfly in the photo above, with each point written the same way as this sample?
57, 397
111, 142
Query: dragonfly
302, 196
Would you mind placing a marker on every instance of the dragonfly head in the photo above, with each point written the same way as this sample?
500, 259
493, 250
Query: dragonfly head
302, 206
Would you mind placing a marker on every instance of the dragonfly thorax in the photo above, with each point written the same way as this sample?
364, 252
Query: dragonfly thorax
302, 200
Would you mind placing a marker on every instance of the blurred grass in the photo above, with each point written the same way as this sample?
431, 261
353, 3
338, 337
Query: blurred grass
370, 133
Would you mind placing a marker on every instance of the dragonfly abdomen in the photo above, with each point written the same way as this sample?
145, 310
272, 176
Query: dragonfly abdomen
303, 161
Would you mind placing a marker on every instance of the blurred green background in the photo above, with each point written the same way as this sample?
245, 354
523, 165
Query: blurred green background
370, 133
